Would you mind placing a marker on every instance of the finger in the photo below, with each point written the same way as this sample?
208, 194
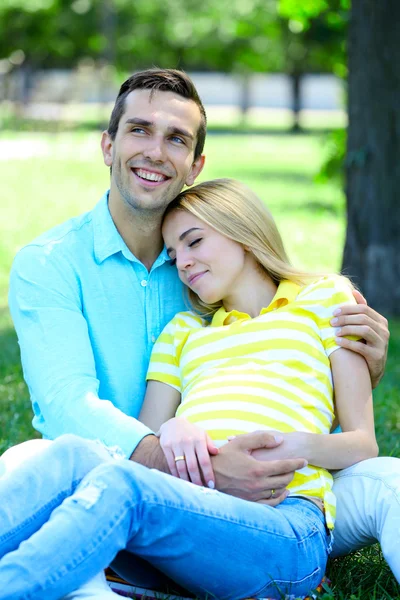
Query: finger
362, 331
280, 467
181, 464
276, 493
205, 464
192, 466
276, 499
169, 455
360, 309
263, 488
356, 319
211, 447
359, 297
368, 352
278, 482
257, 439
372, 328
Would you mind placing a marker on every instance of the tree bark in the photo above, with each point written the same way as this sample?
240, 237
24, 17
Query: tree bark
372, 249
296, 77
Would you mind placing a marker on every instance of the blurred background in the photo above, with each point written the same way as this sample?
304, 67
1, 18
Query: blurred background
303, 105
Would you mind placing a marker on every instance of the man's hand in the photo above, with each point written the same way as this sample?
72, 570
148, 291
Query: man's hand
149, 453
361, 320
239, 474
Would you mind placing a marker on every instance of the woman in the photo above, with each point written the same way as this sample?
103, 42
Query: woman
257, 354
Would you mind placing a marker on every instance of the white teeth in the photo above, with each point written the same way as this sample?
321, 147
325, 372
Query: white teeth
149, 176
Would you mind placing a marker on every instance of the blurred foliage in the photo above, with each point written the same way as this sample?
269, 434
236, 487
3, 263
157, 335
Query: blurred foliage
230, 35
333, 164
323, 26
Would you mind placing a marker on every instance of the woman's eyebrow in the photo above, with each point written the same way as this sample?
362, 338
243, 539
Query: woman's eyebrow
185, 233
182, 237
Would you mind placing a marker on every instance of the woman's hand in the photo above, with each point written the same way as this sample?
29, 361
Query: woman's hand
180, 438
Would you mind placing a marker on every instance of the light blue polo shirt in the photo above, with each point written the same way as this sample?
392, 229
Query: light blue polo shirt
87, 313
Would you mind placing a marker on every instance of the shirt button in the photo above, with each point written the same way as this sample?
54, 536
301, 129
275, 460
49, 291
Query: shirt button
144, 282
153, 339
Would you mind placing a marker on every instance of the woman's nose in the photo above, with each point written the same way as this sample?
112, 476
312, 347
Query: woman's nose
184, 260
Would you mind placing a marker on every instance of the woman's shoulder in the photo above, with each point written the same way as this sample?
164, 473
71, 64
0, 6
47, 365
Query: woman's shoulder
187, 320
334, 287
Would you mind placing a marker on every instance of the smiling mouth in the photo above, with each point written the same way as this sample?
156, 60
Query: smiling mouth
149, 177
195, 277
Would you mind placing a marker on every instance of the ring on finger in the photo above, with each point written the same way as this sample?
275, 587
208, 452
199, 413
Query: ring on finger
179, 458
273, 493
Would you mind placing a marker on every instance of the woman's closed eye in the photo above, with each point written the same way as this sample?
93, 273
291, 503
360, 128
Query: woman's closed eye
194, 242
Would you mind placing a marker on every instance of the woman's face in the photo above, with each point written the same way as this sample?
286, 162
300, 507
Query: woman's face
208, 262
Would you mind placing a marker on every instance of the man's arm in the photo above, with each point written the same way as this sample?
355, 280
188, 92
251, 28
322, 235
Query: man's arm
57, 355
361, 320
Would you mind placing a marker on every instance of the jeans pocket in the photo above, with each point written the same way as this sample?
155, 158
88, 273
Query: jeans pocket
280, 588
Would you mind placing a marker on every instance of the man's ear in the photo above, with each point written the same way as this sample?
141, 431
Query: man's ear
106, 147
195, 170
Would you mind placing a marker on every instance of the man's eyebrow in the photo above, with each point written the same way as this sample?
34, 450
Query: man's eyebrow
183, 235
138, 121
171, 130
183, 132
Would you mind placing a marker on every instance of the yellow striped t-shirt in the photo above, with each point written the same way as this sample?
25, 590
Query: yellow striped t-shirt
239, 374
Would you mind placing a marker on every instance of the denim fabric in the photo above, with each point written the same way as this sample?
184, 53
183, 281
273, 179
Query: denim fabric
82, 506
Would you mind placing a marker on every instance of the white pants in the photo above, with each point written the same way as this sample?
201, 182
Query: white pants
368, 511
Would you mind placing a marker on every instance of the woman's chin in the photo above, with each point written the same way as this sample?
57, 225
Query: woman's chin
209, 299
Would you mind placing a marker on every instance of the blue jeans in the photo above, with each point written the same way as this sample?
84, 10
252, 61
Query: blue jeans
67, 512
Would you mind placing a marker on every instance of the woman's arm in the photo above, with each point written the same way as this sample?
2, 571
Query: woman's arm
160, 404
178, 437
353, 398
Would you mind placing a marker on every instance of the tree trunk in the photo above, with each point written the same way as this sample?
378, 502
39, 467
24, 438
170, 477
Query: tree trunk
295, 86
245, 99
372, 249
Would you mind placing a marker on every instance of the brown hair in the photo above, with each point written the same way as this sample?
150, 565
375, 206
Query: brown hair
163, 80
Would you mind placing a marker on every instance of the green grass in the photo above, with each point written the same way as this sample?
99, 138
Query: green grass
51, 177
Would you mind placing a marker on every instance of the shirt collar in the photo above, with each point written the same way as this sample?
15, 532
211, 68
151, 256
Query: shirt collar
108, 241
287, 292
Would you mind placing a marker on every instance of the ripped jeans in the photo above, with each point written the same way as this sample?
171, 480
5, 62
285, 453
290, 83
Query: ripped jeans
67, 512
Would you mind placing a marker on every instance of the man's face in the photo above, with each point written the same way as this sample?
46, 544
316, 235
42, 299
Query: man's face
152, 155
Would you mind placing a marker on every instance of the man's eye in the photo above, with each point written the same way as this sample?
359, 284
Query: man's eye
195, 242
137, 130
177, 139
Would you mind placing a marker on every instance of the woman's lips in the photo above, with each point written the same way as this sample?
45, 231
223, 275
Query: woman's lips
195, 277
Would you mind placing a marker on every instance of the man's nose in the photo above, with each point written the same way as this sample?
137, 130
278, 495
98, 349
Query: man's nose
155, 149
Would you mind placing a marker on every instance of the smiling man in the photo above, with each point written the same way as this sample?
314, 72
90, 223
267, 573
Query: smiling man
90, 297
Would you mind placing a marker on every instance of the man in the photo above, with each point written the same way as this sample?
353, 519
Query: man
90, 297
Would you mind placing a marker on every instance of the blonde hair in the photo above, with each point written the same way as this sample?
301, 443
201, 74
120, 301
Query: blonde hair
234, 210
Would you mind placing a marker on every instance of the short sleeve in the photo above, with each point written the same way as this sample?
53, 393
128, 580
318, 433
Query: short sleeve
322, 298
166, 355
